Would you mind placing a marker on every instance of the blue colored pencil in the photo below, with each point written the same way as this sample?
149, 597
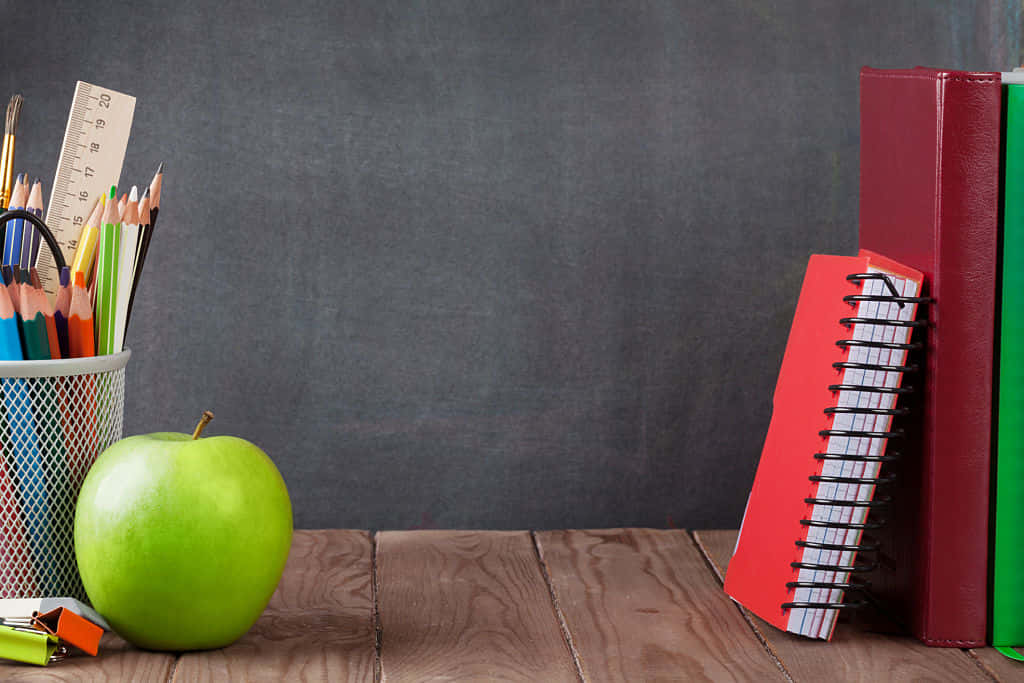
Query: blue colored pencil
31, 238
61, 311
12, 239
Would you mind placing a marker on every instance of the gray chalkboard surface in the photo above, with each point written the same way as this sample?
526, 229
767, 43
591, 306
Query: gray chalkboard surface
483, 264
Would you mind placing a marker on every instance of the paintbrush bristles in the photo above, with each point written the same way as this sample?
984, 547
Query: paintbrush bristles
13, 114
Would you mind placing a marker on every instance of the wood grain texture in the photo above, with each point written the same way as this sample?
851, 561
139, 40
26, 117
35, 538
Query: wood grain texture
318, 625
641, 604
118, 661
858, 650
466, 606
996, 665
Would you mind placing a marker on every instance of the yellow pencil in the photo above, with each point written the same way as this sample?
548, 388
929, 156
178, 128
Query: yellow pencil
86, 251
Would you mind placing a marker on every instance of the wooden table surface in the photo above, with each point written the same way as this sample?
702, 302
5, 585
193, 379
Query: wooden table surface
604, 605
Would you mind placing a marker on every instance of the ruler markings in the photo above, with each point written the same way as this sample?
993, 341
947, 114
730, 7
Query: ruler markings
107, 145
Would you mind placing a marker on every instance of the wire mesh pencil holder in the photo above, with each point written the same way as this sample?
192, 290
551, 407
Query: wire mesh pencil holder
56, 417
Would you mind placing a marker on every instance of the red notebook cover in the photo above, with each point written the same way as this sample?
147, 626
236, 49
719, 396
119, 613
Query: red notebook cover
929, 185
784, 510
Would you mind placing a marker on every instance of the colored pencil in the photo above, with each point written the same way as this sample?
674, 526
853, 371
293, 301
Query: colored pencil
7, 153
107, 260
12, 238
13, 286
31, 238
126, 267
80, 321
30, 416
152, 194
85, 251
36, 291
144, 228
155, 186
10, 342
15, 553
35, 343
61, 311
21, 475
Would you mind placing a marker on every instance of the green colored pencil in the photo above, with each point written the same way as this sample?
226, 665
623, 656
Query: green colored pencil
34, 338
106, 276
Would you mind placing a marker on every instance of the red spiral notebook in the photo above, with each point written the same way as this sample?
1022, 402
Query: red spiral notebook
834, 402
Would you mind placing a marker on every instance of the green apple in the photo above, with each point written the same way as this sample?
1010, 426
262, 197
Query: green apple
180, 540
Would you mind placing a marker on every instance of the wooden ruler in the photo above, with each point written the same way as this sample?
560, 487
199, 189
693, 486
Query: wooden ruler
90, 162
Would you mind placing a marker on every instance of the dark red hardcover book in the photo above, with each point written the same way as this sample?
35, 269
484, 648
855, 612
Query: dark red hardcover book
929, 192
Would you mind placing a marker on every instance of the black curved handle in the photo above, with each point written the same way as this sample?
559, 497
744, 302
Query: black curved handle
58, 256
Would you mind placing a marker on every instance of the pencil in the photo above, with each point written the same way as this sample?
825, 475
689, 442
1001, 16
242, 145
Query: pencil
46, 405
7, 153
80, 322
14, 541
12, 286
43, 303
10, 342
33, 238
154, 193
126, 267
61, 310
34, 339
144, 229
106, 277
85, 252
12, 238
24, 455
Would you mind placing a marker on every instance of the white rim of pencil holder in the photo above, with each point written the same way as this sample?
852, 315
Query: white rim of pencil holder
63, 366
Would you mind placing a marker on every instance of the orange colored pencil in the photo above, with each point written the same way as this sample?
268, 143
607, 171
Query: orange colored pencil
80, 332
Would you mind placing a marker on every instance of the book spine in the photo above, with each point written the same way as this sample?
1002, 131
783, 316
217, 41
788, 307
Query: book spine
959, 429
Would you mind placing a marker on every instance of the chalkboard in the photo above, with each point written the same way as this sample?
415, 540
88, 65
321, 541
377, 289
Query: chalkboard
482, 264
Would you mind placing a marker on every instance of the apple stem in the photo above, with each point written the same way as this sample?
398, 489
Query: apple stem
203, 421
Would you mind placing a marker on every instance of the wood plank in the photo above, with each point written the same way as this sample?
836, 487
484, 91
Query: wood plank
858, 651
318, 625
641, 604
466, 605
117, 661
998, 666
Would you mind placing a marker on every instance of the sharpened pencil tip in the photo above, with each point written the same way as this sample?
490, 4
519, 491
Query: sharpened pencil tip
160, 169
65, 276
113, 191
146, 193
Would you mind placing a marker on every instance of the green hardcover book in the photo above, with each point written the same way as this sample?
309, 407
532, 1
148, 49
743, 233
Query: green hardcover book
1008, 551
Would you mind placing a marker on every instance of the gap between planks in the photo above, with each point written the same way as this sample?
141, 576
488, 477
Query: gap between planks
375, 592
713, 568
562, 624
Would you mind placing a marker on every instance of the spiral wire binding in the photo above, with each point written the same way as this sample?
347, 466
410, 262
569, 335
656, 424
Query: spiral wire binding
878, 502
